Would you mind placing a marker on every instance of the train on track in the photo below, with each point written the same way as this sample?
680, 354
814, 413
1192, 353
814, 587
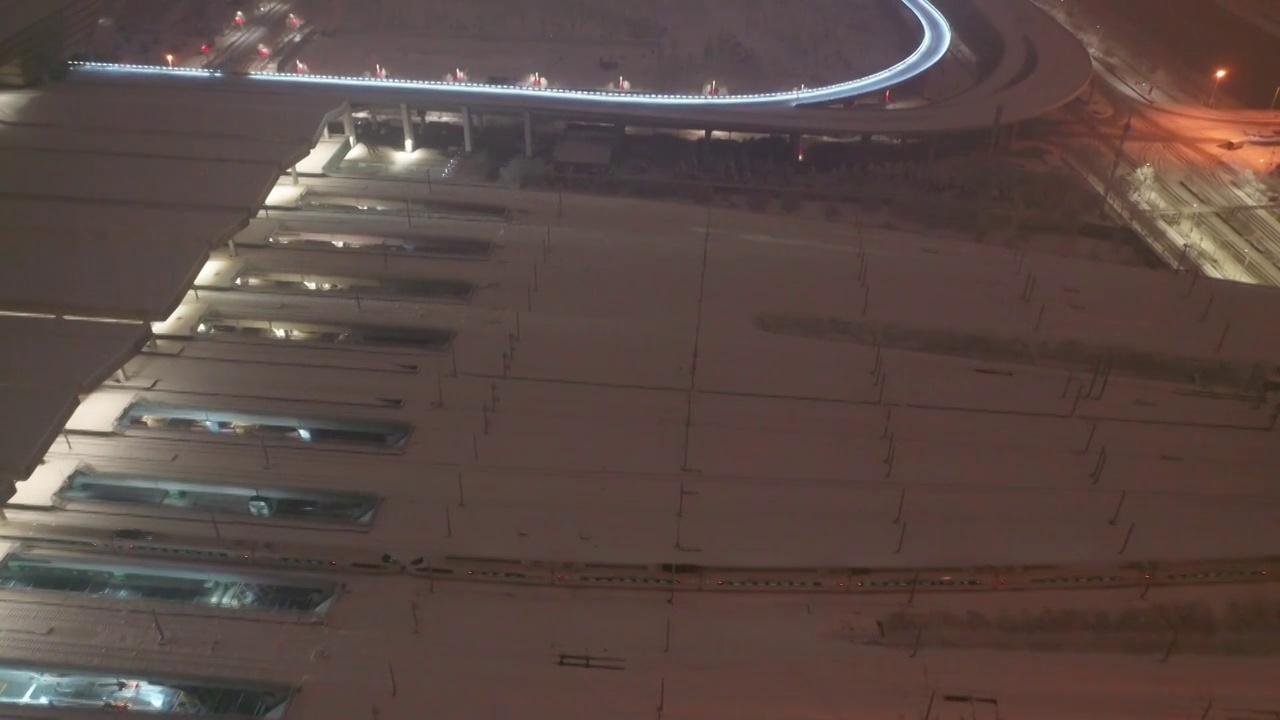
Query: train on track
669, 577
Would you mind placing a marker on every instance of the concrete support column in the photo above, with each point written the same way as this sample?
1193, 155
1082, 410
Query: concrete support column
121, 376
231, 246
528, 134
995, 131
706, 135
293, 174
466, 130
349, 127
406, 117
324, 133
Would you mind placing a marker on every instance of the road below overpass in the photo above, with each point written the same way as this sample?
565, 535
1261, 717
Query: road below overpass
1168, 173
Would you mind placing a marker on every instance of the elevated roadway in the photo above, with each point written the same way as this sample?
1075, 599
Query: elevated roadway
1041, 66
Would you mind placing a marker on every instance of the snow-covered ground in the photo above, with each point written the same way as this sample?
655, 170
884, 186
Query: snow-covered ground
663, 45
647, 383
639, 382
400, 649
837, 382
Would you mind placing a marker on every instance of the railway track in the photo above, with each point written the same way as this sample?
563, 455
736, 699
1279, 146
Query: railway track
668, 577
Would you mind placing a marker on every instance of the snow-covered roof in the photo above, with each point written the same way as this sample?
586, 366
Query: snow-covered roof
110, 199
47, 363
127, 264
892, 402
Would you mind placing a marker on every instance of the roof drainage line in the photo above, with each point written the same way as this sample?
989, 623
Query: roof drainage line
193, 207
936, 37
164, 156
7, 311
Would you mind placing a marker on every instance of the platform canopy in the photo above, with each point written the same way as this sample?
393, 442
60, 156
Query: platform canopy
45, 366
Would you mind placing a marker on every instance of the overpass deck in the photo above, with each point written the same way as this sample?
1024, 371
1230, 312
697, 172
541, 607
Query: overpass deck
1025, 84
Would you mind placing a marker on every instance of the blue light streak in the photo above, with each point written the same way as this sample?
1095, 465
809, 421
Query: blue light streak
936, 40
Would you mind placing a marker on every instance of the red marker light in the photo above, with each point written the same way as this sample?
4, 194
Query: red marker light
205, 49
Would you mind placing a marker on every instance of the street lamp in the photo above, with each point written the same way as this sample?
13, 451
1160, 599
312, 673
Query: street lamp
169, 59
1217, 78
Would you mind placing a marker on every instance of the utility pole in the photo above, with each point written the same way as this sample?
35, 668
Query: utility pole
1217, 80
1115, 166
155, 624
995, 131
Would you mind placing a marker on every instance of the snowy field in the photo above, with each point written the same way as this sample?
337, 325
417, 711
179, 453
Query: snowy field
640, 382
663, 45
400, 649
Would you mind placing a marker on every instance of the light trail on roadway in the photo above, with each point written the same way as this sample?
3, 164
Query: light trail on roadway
237, 49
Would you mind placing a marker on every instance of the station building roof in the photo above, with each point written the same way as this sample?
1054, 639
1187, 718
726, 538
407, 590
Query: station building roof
111, 196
